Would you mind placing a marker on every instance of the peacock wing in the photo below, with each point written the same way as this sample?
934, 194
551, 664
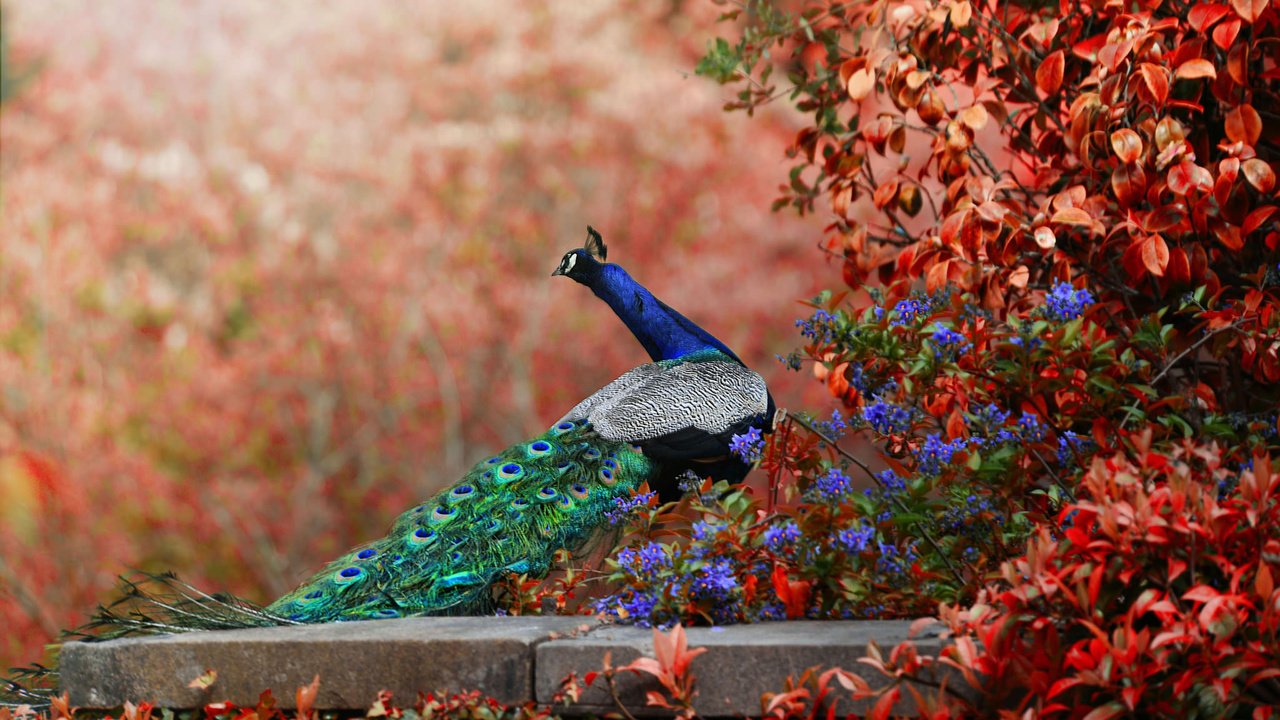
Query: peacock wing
626, 383
684, 402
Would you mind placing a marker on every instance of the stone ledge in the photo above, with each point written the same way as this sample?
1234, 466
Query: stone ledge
510, 659
354, 661
742, 662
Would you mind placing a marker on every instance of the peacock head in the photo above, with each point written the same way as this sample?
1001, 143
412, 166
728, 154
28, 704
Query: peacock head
585, 261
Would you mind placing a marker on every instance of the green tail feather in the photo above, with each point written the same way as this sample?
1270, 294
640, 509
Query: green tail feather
509, 514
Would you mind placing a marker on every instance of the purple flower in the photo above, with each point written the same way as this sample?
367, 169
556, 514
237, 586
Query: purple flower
624, 506
934, 454
855, 539
779, 536
832, 486
748, 446
887, 418
1065, 303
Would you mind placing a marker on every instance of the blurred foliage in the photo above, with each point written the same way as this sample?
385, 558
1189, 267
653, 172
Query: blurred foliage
271, 273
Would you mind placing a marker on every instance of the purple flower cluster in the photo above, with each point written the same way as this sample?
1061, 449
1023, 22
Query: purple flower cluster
892, 562
646, 562
1070, 444
625, 506
960, 516
832, 486
855, 539
1064, 302
715, 581
934, 454
833, 428
819, 327
779, 537
1030, 427
908, 311
748, 446
887, 418
948, 344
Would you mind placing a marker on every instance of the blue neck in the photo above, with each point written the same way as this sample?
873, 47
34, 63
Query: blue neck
664, 333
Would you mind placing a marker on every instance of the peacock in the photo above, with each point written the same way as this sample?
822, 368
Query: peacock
513, 511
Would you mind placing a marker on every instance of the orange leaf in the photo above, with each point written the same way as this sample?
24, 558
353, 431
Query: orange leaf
1156, 80
1243, 125
1045, 238
1201, 16
1259, 174
1226, 33
1072, 216
1249, 10
961, 13
1196, 68
1127, 144
1155, 254
975, 117
861, 82
1049, 74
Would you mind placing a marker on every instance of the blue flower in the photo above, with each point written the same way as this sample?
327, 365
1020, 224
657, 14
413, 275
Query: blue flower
1065, 303
855, 539
748, 446
908, 311
819, 327
934, 454
1070, 444
890, 481
715, 581
949, 343
781, 536
834, 428
625, 506
704, 530
887, 418
833, 486
1030, 427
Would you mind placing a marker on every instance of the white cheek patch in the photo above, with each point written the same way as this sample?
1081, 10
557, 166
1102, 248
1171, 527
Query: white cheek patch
568, 263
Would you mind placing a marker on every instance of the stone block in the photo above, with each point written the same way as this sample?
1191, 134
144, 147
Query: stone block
354, 661
742, 662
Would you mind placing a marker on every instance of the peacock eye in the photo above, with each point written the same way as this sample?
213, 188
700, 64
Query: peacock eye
566, 265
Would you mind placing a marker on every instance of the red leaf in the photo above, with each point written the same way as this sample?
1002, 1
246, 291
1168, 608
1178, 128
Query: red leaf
1072, 216
1200, 593
1049, 74
1259, 174
1196, 68
1202, 16
1127, 144
1179, 268
1156, 80
1129, 183
1155, 254
1255, 219
1243, 125
1105, 712
1249, 10
1226, 33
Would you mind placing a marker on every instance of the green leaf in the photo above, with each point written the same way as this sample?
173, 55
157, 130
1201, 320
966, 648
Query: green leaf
720, 63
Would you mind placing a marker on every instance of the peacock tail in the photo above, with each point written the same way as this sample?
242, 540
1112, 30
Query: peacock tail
508, 514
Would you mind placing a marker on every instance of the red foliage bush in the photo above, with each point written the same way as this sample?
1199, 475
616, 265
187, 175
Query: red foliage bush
1068, 215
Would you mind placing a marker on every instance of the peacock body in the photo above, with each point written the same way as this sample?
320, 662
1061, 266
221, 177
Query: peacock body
512, 512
